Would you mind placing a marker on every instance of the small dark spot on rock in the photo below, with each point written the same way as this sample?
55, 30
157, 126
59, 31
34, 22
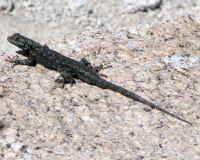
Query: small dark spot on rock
167, 39
8, 145
198, 117
78, 149
68, 133
12, 7
97, 136
23, 148
141, 157
160, 145
90, 11
2, 155
187, 55
132, 134
37, 148
158, 77
1, 125
188, 44
10, 113
18, 135
48, 109
129, 37
181, 45
1, 96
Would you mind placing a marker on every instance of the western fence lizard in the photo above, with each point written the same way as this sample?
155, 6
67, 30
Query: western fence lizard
70, 69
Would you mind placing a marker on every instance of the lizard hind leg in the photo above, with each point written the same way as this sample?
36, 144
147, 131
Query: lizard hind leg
94, 69
86, 63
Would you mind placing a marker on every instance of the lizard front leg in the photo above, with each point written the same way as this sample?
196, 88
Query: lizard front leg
29, 61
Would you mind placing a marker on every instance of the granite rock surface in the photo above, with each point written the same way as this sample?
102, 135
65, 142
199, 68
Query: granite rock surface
160, 62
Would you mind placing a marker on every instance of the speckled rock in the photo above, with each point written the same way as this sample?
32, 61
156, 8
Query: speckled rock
161, 62
96, 14
6, 6
44, 19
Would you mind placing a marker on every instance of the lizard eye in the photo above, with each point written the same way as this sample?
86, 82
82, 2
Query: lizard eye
16, 36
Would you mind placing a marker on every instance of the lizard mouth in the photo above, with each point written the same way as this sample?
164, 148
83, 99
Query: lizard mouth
19, 51
23, 52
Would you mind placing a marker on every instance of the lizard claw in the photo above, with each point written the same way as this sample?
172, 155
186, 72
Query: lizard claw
100, 67
11, 60
62, 82
8, 59
103, 75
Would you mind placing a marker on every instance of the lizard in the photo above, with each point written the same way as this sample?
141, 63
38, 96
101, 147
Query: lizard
71, 69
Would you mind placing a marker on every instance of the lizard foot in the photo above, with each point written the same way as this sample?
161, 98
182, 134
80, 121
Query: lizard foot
16, 61
100, 67
12, 60
63, 81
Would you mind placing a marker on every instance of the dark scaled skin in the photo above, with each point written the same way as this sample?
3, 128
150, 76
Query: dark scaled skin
70, 69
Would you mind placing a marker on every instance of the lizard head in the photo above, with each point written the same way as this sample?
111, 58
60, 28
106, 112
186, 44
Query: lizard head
18, 40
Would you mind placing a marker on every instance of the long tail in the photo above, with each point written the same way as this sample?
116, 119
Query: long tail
107, 85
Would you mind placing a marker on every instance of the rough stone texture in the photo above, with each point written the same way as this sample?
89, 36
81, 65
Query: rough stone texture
161, 62
6, 6
43, 19
96, 14
77, 13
